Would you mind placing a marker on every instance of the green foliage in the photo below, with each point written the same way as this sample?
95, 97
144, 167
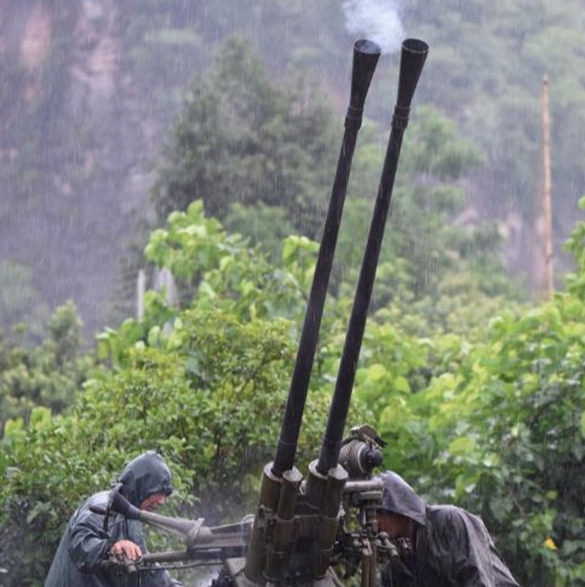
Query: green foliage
499, 430
39, 477
214, 270
486, 68
576, 245
266, 225
487, 412
198, 394
243, 138
226, 271
539, 374
430, 249
47, 375
481, 401
423, 228
21, 306
201, 384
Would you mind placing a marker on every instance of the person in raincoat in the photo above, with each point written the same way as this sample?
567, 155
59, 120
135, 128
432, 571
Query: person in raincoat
442, 545
87, 542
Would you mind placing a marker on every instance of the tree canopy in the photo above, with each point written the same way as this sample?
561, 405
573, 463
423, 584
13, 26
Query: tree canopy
244, 139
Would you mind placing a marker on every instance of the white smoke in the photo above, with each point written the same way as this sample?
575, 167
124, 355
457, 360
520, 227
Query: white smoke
376, 20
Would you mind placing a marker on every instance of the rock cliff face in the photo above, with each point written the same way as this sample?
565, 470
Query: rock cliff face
87, 93
76, 142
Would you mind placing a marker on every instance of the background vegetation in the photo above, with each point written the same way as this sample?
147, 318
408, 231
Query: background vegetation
90, 90
487, 415
477, 386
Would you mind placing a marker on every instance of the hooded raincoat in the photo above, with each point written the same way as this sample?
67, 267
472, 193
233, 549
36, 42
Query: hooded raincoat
86, 543
452, 548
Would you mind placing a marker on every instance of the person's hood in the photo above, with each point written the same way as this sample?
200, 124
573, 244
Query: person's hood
399, 497
144, 476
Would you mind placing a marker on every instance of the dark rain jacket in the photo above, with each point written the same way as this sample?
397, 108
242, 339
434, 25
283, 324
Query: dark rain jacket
86, 544
452, 548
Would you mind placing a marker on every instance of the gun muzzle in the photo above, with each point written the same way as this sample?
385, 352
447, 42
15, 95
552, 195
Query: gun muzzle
365, 58
413, 56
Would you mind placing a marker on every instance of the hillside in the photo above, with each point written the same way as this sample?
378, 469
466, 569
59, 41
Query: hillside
90, 90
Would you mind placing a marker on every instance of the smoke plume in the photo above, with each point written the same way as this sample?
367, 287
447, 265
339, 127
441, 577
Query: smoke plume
376, 20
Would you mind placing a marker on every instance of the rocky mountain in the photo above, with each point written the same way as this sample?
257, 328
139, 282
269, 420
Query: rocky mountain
76, 143
89, 89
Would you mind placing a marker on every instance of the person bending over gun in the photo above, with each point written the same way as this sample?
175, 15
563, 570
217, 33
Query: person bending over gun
88, 542
443, 545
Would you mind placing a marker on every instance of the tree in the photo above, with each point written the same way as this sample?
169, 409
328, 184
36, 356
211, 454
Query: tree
429, 248
47, 375
511, 438
488, 62
243, 139
485, 417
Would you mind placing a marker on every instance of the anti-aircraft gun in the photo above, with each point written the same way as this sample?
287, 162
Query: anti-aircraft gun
303, 528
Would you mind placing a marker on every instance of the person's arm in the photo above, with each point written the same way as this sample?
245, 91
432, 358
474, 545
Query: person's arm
89, 545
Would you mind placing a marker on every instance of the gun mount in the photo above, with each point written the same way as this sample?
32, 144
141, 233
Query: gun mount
302, 528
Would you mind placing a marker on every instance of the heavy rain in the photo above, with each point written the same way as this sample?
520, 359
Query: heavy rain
254, 254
